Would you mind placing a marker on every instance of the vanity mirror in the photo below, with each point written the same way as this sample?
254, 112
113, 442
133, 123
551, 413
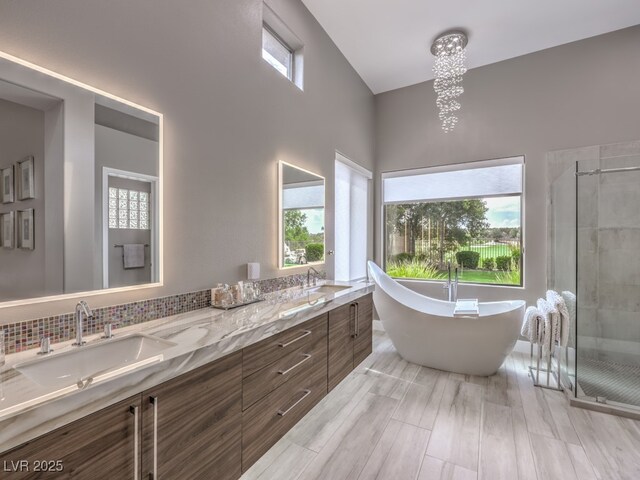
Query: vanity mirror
301, 231
87, 167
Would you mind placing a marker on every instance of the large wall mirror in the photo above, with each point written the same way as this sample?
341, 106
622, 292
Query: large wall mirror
301, 216
81, 187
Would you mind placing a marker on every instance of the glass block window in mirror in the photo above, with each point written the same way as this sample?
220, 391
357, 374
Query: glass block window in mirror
128, 209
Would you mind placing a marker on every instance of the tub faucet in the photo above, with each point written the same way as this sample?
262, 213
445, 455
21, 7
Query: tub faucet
451, 287
82, 309
315, 277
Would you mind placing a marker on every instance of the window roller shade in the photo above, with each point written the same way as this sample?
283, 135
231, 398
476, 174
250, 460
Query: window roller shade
460, 181
300, 197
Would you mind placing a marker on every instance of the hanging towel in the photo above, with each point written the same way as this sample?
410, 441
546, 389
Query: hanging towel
532, 324
133, 255
570, 302
562, 337
548, 335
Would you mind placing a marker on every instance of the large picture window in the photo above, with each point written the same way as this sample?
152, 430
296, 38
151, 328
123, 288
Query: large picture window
469, 215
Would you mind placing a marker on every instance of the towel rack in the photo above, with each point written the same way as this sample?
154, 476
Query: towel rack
122, 246
534, 371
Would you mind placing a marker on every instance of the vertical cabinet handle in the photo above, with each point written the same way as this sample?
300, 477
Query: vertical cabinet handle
136, 441
154, 475
357, 319
352, 319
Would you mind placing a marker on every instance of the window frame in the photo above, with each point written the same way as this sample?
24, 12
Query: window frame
455, 167
291, 74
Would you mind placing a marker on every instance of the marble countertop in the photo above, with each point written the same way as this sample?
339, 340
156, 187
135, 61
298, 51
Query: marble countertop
28, 410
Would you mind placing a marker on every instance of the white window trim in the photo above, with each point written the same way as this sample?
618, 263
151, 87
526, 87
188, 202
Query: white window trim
274, 24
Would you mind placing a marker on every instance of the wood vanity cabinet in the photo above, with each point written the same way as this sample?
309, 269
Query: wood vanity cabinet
292, 380
213, 422
350, 338
191, 425
104, 445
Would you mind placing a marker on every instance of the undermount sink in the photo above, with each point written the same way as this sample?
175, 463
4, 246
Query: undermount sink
92, 363
302, 306
327, 289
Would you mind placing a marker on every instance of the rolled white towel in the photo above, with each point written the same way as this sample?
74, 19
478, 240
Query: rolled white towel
533, 322
564, 325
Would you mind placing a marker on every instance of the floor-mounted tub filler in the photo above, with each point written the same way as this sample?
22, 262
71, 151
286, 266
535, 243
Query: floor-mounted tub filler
425, 331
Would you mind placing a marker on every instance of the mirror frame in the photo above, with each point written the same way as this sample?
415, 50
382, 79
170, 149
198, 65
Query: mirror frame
281, 164
76, 83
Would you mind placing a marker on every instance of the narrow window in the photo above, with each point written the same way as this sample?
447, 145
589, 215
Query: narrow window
277, 53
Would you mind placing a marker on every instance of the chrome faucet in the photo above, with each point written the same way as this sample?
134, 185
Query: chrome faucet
315, 277
81, 309
451, 287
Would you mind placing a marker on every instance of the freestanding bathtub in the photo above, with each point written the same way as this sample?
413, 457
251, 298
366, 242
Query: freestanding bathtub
424, 330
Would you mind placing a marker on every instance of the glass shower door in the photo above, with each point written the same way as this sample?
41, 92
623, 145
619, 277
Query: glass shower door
608, 278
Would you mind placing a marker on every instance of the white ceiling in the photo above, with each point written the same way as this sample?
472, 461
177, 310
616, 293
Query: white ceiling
388, 41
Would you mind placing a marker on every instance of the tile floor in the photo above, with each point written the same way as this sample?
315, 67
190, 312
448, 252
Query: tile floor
392, 420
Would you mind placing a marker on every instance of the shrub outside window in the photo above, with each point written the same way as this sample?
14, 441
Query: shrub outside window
468, 215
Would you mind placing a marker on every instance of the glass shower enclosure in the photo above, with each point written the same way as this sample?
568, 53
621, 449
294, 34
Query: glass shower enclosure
594, 234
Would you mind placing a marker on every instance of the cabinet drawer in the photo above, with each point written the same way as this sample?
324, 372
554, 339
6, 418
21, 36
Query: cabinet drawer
258, 356
264, 381
265, 422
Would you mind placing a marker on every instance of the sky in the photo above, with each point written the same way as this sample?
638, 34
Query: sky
503, 212
315, 219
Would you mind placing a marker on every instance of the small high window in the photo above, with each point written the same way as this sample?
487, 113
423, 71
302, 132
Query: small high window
282, 48
277, 53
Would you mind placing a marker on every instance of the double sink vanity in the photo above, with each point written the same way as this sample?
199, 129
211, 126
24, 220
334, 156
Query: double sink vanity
195, 395
198, 395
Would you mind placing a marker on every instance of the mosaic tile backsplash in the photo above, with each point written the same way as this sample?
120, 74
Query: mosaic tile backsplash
60, 328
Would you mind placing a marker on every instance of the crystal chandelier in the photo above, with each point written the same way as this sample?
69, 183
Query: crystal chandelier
448, 69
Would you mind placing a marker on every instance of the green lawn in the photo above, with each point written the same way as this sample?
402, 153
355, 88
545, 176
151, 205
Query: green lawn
419, 272
484, 276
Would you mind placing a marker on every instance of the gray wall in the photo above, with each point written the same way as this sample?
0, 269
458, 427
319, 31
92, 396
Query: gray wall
22, 134
229, 117
578, 94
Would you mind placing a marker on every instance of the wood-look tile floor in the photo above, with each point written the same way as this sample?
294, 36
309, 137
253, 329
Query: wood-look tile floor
393, 420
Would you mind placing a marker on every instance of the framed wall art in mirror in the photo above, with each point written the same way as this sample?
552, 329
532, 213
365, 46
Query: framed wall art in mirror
26, 189
6, 229
26, 240
63, 136
301, 216
6, 176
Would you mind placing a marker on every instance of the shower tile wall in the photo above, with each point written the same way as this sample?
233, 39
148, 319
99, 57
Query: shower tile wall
609, 257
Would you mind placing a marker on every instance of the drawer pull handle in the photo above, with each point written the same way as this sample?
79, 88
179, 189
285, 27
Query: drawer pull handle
282, 413
293, 367
305, 334
136, 447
